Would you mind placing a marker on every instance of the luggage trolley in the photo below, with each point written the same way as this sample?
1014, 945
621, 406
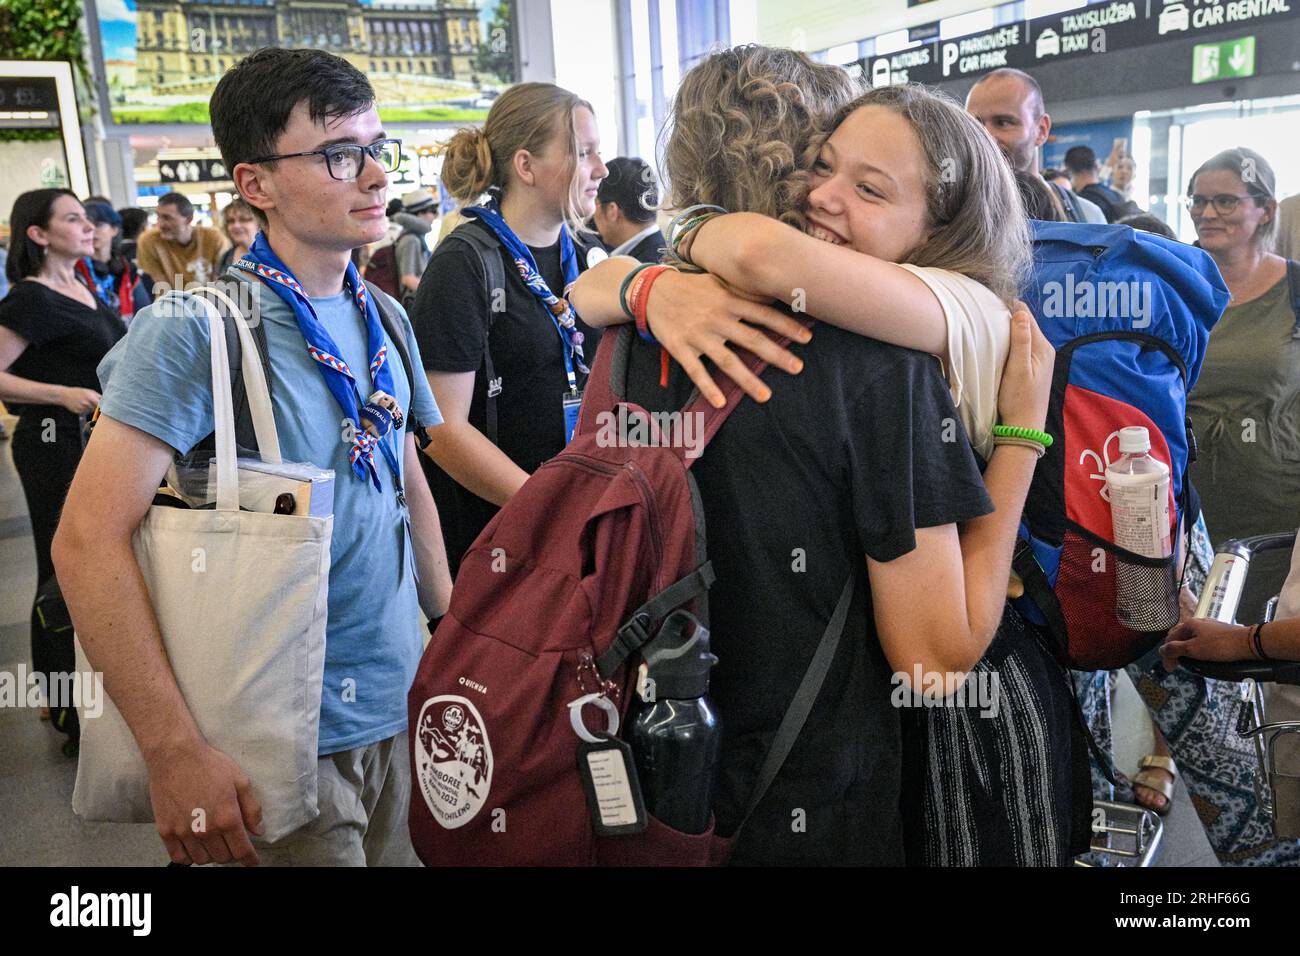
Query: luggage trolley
1129, 836
1278, 793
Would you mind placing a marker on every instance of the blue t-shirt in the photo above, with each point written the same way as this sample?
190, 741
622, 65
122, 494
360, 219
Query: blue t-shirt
158, 379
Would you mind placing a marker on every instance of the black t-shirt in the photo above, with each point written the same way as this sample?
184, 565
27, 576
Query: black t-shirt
844, 461
451, 320
66, 338
1110, 202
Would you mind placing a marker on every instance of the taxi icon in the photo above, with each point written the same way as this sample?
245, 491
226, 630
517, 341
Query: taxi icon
1049, 44
1174, 17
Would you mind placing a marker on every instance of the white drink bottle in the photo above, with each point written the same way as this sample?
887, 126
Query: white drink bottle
1138, 485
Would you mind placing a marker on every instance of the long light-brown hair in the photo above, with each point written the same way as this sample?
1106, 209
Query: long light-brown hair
526, 116
741, 123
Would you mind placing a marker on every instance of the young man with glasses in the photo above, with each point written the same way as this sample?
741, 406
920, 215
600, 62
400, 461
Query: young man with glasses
300, 134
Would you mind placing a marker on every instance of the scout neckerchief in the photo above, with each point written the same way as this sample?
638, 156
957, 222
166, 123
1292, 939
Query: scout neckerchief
102, 285
372, 420
561, 313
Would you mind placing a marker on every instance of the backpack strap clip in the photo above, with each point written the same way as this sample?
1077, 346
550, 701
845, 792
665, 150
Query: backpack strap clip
645, 620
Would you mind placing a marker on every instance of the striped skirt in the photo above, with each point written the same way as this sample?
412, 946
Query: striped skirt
993, 785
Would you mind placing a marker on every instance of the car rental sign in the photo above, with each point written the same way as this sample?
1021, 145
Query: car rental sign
1097, 29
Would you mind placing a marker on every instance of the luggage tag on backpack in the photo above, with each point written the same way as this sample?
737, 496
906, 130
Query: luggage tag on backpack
572, 405
608, 774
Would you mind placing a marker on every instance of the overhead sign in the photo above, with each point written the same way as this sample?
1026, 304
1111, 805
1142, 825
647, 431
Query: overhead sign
1094, 30
1223, 61
191, 170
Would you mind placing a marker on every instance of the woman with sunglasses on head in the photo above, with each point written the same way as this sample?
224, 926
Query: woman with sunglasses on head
507, 357
1245, 408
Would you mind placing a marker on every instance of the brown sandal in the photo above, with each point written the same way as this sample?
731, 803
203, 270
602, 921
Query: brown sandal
1151, 781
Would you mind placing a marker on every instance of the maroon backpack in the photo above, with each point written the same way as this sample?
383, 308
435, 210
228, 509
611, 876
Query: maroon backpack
552, 603
381, 270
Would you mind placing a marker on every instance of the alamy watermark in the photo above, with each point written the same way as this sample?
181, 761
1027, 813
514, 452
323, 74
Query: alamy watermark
82, 690
1085, 299
683, 430
981, 690
175, 299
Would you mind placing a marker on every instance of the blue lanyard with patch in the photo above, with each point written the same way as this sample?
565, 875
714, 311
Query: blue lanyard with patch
560, 312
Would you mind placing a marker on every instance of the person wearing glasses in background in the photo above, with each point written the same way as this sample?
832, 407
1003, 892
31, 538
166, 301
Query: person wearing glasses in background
310, 157
1245, 408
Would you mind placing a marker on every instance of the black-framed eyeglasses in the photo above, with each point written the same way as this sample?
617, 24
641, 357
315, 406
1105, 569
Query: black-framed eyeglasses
346, 160
1224, 203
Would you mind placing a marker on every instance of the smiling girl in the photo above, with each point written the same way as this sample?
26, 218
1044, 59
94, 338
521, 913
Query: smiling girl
915, 235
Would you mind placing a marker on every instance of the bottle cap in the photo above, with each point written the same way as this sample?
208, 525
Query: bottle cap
678, 658
1135, 438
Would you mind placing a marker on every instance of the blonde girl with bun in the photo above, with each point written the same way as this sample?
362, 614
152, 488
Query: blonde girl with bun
529, 178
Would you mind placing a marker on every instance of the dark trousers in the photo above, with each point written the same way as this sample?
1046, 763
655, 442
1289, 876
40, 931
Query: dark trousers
47, 447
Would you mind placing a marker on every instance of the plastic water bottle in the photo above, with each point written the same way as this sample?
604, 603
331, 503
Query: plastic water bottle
1138, 485
676, 736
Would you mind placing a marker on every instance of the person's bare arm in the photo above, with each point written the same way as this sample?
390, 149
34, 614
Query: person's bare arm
923, 612
464, 452
107, 597
426, 535
15, 388
987, 542
977, 584
853, 290
1206, 640
694, 316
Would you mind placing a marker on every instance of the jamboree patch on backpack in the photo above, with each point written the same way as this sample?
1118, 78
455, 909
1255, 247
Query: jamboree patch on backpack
453, 759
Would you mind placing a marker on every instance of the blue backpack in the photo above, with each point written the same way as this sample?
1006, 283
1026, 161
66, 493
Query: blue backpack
1130, 315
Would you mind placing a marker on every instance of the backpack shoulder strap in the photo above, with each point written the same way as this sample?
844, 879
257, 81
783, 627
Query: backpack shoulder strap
485, 245
245, 434
396, 330
796, 714
1293, 282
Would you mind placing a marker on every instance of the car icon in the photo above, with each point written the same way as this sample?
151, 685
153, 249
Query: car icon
1174, 17
1049, 43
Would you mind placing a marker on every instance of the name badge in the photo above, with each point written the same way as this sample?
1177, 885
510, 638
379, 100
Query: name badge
572, 405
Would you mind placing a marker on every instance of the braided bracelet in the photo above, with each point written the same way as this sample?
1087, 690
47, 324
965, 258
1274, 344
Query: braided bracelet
1015, 431
1022, 442
682, 242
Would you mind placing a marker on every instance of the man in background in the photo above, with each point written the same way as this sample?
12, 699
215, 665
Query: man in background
177, 252
626, 206
1085, 180
1010, 105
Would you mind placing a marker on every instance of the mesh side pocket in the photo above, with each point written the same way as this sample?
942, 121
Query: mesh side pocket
1146, 598
1092, 577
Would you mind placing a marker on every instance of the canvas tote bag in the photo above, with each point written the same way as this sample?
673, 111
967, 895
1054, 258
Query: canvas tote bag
240, 599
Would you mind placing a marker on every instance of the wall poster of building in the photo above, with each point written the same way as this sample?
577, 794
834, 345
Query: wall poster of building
438, 61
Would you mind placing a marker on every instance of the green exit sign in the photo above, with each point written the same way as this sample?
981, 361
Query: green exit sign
1223, 61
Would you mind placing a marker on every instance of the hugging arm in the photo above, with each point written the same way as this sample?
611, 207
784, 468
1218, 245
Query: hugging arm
853, 290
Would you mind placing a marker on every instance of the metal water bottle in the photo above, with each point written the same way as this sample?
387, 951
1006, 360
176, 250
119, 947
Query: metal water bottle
675, 737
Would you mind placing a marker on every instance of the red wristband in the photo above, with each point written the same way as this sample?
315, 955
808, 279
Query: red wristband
640, 298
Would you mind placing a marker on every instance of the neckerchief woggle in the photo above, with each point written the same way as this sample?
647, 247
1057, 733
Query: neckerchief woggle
379, 421
562, 315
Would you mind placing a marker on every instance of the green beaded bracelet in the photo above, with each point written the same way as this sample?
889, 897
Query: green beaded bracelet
1015, 431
